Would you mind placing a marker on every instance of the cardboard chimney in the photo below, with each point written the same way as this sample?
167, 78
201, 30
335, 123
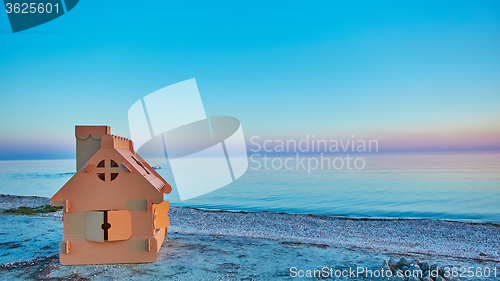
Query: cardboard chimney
114, 210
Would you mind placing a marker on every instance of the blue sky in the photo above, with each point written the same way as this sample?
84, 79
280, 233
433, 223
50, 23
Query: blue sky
423, 75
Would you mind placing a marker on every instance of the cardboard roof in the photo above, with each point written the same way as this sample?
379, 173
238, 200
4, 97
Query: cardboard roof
138, 179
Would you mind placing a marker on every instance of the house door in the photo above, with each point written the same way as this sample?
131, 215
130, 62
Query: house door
107, 225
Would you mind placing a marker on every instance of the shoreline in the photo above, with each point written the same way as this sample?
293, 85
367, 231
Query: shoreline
34, 201
343, 217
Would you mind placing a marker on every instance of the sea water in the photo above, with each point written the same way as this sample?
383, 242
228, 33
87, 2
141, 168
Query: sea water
454, 186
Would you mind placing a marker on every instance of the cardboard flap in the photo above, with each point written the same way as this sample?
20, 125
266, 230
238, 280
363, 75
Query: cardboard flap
93, 226
160, 215
121, 225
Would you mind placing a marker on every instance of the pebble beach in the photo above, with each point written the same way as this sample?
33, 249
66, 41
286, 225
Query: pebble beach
220, 245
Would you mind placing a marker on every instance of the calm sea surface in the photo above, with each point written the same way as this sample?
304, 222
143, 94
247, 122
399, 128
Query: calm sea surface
455, 186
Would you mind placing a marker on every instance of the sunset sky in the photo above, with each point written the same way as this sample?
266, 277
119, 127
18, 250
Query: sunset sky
420, 76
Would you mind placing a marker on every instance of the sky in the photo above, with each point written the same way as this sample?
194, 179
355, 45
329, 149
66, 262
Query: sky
416, 76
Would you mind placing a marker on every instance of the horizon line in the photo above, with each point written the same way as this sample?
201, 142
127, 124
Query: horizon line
273, 153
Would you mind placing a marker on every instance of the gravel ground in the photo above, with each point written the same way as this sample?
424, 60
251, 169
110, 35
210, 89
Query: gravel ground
209, 245
420, 236
14, 201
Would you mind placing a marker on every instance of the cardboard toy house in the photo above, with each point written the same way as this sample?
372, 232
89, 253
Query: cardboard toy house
114, 210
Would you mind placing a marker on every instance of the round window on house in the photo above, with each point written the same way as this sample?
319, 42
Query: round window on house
112, 164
